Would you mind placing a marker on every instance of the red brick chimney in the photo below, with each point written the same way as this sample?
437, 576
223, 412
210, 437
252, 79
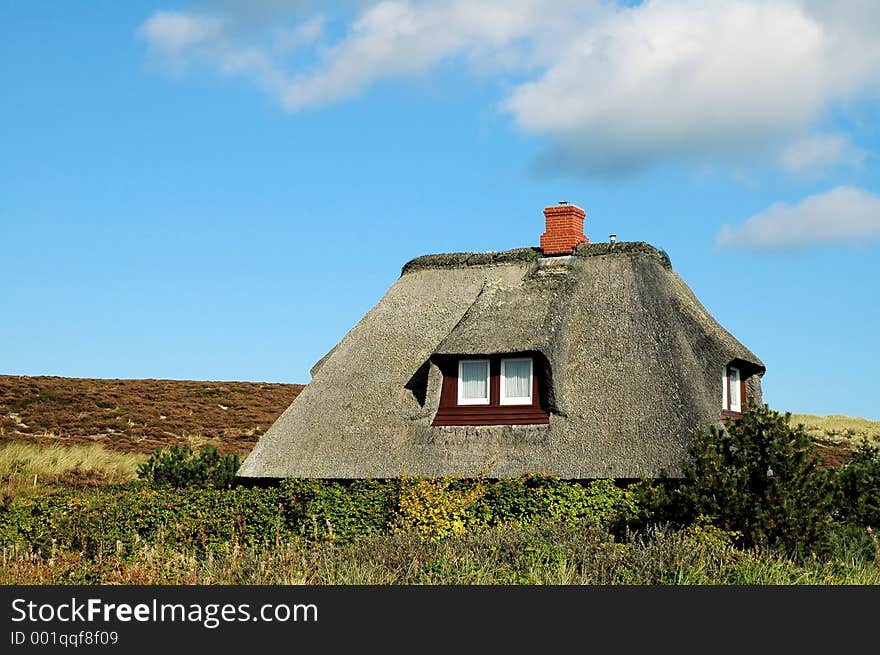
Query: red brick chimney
565, 229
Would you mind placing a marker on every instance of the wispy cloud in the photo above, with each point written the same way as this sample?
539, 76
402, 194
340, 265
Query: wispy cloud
817, 152
843, 215
612, 89
181, 41
177, 34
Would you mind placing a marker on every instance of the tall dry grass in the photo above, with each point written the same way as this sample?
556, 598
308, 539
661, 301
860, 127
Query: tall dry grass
846, 430
552, 553
27, 468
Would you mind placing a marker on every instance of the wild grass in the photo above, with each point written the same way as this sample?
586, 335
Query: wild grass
27, 468
548, 553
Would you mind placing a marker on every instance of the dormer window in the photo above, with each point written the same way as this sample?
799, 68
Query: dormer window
732, 391
489, 390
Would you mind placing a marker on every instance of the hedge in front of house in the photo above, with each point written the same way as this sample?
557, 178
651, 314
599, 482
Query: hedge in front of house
119, 519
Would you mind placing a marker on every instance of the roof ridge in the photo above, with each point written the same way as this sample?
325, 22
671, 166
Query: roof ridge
496, 258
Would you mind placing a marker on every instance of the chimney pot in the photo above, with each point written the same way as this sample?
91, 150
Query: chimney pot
565, 229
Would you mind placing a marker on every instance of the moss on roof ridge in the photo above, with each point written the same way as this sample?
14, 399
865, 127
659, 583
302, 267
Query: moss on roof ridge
492, 258
464, 259
622, 248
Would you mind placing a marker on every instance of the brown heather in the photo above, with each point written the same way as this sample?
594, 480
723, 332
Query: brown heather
137, 416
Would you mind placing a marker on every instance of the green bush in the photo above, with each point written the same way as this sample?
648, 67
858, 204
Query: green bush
117, 520
759, 477
541, 497
339, 511
858, 485
179, 466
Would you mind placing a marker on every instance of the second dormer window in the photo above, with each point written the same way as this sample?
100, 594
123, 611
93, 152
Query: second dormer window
516, 381
731, 390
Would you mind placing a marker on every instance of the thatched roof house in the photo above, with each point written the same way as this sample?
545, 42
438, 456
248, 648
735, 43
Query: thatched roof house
587, 360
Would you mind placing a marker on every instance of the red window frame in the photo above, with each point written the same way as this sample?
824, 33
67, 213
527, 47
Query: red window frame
726, 412
450, 412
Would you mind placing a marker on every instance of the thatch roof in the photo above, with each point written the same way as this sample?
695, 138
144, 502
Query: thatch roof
633, 359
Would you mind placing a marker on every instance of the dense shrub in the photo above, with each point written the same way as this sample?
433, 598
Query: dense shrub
539, 497
339, 511
179, 466
447, 506
858, 485
757, 476
439, 507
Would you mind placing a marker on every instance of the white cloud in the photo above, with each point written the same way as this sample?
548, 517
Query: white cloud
691, 80
818, 151
612, 89
398, 39
844, 214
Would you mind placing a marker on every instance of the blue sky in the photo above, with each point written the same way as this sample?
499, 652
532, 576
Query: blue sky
220, 190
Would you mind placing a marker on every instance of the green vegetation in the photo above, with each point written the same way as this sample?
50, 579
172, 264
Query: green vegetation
858, 484
202, 519
753, 507
580, 552
179, 466
758, 477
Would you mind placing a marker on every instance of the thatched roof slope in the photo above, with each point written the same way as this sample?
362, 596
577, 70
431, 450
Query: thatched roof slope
634, 363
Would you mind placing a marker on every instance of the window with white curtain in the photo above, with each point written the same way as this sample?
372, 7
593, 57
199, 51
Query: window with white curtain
516, 381
731, 398
473, 382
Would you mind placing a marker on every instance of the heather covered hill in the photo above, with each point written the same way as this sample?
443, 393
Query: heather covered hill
139, 415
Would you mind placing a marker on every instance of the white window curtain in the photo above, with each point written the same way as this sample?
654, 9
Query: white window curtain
735, 403
725, 403
473, 382
516, 381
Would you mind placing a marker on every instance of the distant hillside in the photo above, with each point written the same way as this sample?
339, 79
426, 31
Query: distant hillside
836, 435
139, 415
